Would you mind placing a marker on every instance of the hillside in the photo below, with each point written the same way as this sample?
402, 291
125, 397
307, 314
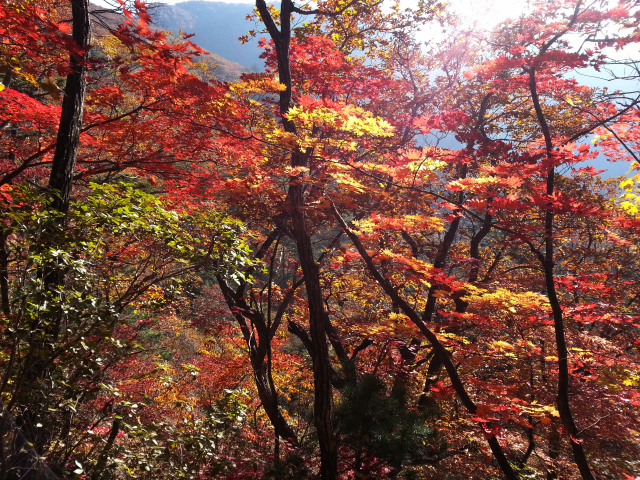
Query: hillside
226, 70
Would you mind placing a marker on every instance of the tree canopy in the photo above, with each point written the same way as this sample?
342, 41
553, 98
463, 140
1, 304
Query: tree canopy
382, 257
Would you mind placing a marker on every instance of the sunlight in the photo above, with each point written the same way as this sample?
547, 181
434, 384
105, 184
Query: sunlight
474, 15
485, 15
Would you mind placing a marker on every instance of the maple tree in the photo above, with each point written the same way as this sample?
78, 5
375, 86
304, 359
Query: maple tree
366, 303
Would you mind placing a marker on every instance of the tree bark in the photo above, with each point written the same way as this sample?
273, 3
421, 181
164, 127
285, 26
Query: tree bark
66, 152
64, 158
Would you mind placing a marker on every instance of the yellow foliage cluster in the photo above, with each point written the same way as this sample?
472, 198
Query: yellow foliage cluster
631, 196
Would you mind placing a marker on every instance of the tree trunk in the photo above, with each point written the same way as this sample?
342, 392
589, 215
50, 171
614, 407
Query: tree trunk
64, 158
4, 275
439, 349
321, 362
258, 345
562, 399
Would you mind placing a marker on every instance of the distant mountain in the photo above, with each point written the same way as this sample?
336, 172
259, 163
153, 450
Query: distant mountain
217, 26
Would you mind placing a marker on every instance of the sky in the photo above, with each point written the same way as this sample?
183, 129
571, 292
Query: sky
488, 12
483, 13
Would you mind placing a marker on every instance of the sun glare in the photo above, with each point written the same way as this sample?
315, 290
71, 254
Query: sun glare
486, 14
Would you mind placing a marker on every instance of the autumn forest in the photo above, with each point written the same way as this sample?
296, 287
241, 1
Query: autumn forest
394, 253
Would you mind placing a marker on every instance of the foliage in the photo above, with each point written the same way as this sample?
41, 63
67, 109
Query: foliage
126, 260
381, 429
300, 279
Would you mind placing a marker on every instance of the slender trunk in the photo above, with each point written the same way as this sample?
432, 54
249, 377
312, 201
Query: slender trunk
4, 260
439, 349
547, 260
553, 451
258, 345
269, 399
435, 365
474, 247
562, 399
66, 152
102, 460
34, 397
4, 274
8, 76
441, 258
530, 430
